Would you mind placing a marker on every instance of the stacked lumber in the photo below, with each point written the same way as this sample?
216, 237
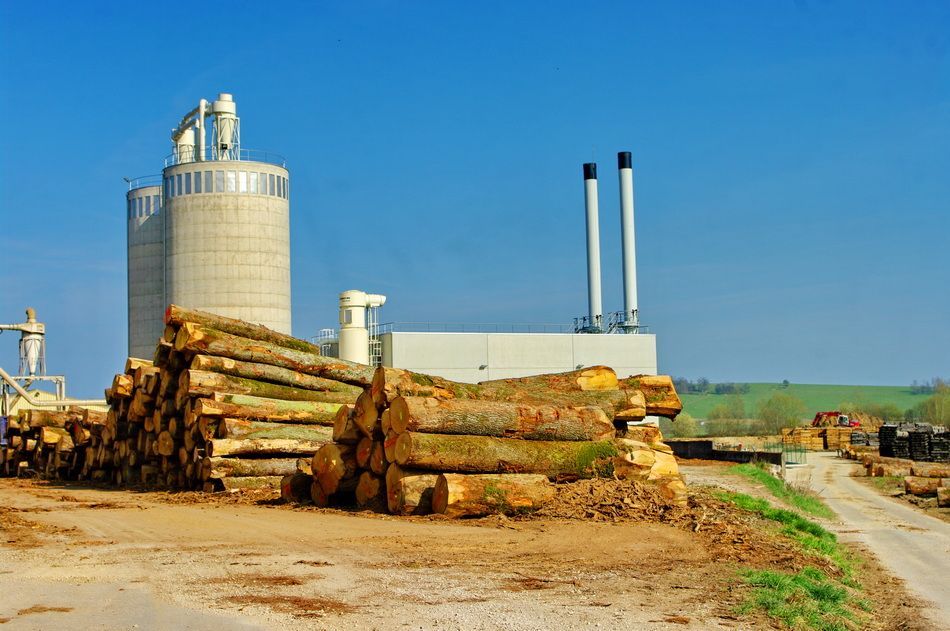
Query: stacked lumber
223, 405
44, 443
810, 438
415, 444
838, 437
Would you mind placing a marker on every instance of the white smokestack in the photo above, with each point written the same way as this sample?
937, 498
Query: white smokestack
630, 308
593, 245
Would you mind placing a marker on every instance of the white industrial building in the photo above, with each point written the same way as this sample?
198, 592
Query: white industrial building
212, 232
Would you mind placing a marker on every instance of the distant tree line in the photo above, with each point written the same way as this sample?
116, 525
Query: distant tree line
929, 387
702, 386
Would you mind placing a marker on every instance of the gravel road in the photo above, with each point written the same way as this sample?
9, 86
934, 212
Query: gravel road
914, 546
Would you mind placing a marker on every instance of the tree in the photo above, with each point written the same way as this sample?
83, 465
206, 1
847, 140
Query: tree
785, 383
685, 426
781, 410
936, 409
732, 408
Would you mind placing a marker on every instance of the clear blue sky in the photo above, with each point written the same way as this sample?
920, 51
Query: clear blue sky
792, 165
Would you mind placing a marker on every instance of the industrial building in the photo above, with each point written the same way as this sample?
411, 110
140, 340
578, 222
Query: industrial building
485, 352
212, 232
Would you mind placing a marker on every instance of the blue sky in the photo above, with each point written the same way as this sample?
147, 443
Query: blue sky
792, 167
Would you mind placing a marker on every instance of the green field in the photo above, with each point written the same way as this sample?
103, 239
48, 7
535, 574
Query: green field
817, 398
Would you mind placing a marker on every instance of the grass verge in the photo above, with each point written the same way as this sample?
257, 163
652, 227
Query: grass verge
804, 502
809, 598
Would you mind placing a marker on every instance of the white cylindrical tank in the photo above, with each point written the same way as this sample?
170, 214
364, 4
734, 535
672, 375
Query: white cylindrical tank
227, 240
630, 308
226, 127
146, 269
354, 336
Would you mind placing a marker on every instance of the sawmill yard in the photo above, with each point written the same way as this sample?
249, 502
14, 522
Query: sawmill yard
605, 554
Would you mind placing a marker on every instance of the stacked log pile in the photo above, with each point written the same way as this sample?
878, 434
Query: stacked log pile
810, 438
415, 444
48, 443
223, 405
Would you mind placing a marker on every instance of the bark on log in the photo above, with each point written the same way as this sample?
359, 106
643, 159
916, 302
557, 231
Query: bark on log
241, 428
176, 316
482, 454
943, 497
497, 418
371, 492
255, 447
237, 484
218, 467
295, 487
265, 409
210, 341
200, 383
331, 464
659, 392
915, 485
271, 374
388, 383
408, 491
458, 495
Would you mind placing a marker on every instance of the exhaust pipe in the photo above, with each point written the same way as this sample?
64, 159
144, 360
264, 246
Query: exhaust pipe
594, 305
630, 309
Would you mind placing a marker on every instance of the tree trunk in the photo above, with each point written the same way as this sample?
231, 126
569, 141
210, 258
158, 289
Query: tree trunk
378, 463
237, 484
943, 497
930, 470
295, 487
344, 427
482, 454
264, 409
209, 341
200, 383
261, 447
364, 449
457, 495
271, 374
332, 464
388, 383
177, 316
371, 492
245, 467
660, 394
240, 428
914, 485
497, 418
166, 444
45, 418
409, 492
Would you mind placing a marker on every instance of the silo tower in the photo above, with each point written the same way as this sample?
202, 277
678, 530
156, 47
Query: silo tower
224, 224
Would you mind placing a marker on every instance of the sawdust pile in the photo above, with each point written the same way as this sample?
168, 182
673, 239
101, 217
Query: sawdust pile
602, 499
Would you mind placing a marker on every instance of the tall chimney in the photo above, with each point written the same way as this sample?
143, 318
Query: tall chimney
593, 245
630, 309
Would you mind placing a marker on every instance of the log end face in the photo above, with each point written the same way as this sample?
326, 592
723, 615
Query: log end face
399, 415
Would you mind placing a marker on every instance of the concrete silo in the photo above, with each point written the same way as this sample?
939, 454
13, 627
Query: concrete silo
221, 241
146, 265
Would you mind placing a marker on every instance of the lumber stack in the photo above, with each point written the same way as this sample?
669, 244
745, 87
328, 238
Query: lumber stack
45, 443
838, 437
810, 438
222, 405
415, 444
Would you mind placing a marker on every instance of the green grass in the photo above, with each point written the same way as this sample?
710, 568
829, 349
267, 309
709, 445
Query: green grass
817, 398
802, 501
806, 599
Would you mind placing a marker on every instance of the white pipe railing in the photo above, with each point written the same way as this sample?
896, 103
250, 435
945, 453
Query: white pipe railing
46, 404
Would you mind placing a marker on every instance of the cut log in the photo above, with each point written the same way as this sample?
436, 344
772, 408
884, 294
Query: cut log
366, 414
482, 454
378, 463
371, 492
261, 447
44, 418
943, 497
457, 495
50, 435
498, 418
200, 383
121, 386
659, 392
389, 446
245, 467
166, 444
134, 363
364, 449
592, 379
237, 484
344, 427
672, 489
409, 492
295, 487
241, 428
333, 463
264, 409
915, 485
271, 374
930, 470
209, 341
176, 316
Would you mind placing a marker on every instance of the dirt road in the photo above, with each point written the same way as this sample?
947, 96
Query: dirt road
914, 546
100, 559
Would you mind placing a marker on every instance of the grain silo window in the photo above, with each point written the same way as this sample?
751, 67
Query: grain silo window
242, 181
148, 205
286, 192
178, 188
197, 181
253, 183
138, 206
155, 203
232, 181
208, 188
273, 189
219, 181
187, 183
280, 189
128, 208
